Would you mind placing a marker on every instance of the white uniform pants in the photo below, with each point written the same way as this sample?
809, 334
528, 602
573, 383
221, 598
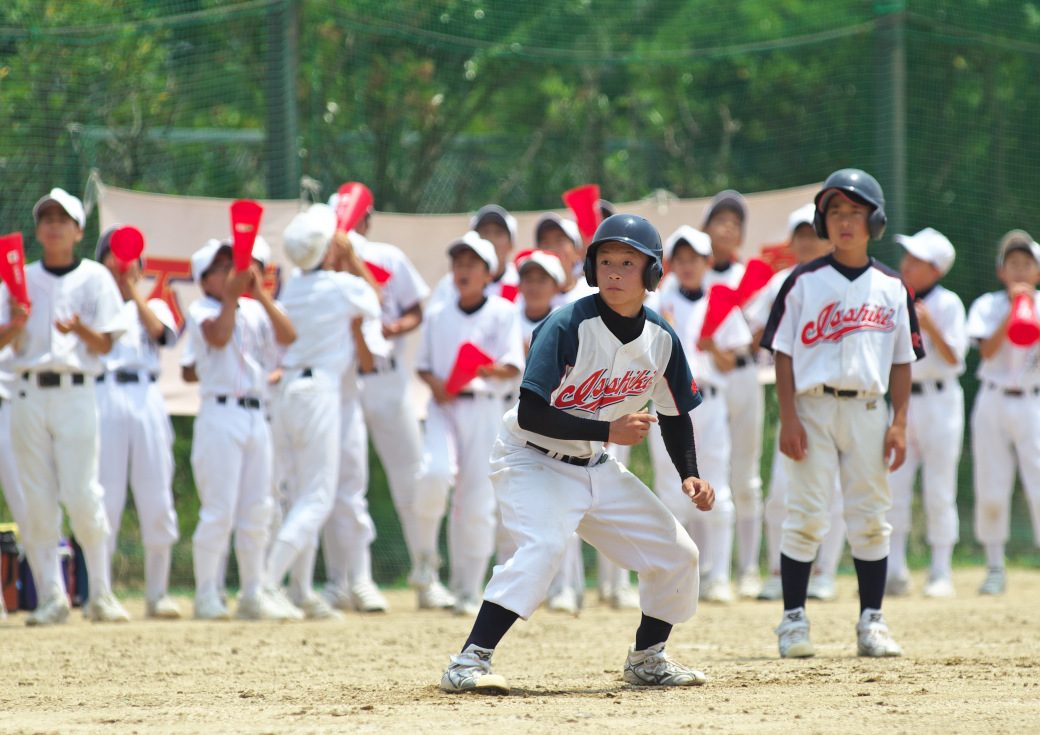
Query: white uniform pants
231, 463
544, 501
745, 401
458, 440
846, 436
1003, 428
55, 438
934, 434
9, 477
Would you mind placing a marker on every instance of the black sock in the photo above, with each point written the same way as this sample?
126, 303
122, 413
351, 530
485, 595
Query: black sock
651, 631
493, 621
794, 575
872, 576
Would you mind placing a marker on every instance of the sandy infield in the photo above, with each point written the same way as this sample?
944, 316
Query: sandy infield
971, 665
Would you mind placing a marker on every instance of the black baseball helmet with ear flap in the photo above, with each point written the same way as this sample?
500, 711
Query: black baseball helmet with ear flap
860, 185
631, 230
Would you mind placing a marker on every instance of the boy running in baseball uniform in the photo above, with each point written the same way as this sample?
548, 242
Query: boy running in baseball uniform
935, 423
461, 428
74, 318
136, 434
231, 343
1005, 424
844, 333
592, 368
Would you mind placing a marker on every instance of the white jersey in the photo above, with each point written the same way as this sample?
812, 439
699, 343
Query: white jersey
844, 328
88, 290
756, 311
730, 276
577, 365
686, 316
505, 287
405, 287
494, 328
240, 367
6, 371
321, 305
1012, 366
947, 311
136, 350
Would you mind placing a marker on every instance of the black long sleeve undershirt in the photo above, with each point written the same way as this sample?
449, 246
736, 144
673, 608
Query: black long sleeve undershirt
677, 433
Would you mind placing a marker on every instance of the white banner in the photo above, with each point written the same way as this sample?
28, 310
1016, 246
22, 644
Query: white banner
175, 227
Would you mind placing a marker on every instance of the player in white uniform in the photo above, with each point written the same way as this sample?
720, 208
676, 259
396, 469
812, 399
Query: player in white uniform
327, 309
806, 247
10, 482
461, 428
935, 423
843, 331
498, 227
136, 434
592, 368
1005, 423
688, 251
230, 351
75, 316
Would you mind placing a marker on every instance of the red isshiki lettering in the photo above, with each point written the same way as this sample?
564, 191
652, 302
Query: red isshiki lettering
598, 391
833, 323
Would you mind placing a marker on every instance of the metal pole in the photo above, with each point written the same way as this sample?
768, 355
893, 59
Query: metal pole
890, 127
281, 157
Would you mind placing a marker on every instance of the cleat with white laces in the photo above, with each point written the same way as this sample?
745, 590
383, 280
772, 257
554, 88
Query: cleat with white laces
939, 587
873, 637
267, 604
470, 671
467, 606
338, 597
435, 596
51, 610
717, 590
793, 635
565, 601
315, 607
822, 587
625, 597
749, 584
367, 598
105, 608
899, 585
995, 583
163, 608
773, 589
653, 668
211, 607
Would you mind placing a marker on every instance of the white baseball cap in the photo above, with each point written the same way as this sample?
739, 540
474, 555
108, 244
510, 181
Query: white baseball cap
930, 246
569, 227
549, 262
1017, 240
262, 250
72, 206
699, 241
801, 216
495, 213
478, 245
308, 235
203, 258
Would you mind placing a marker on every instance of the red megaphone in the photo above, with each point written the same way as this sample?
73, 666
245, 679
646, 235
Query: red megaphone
756, 275
1023, 327
245, 226
12, 267
353, 204
470, 358
721, 301
126, 244
582, 200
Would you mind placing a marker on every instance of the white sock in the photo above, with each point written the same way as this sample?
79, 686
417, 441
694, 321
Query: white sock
156, 571
942, 560
995, 556
301, 576
359, 564
46, 569
99, 569
279, 560
208, 565
749, 543
897, 554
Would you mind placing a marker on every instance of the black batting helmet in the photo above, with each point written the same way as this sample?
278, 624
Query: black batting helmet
631, 230
860, 185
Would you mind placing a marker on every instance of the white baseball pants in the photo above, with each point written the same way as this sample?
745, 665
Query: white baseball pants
745, 401
9, 477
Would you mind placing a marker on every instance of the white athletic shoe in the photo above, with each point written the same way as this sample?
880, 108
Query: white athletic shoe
211, 607
995, 583
367, 598
467, 606
899, 585
717, 590
749, 584
267, 604
316, 607
105, 608
653, 668
565, 601
470, 671
939, 587
794, 635
822, 587
773, 589
163, 608
51, 610
874, 639
625, 597
435, 596
338, 597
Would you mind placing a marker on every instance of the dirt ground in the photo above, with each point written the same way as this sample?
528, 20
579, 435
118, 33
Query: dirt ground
971, 665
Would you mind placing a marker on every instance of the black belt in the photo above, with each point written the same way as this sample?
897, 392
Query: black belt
579, 461
509, 398
710, 390
840, 393
1016, 392
246, 402
919, 387
126, 376
374, 370
53, 380
743, 361
306, 373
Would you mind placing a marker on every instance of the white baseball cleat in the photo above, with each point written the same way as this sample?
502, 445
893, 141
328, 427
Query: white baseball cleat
822, 587
51, 610
793, 635
565, 601
267, 604
467, 606
717, 590
939, 587
315, 607
653, 668
749, 584
105, 608
470, 671
211, 607
435, 596
773, 589
899, 585
995, 582
338, 597
163, 608
625, 597
873, 637
366, 598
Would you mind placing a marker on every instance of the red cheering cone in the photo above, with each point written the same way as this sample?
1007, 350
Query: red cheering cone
126, 244
1023, 327
756, 275
12, 267
470, 358
582, 201
353, 204
381, 275
245, 226
721, 301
